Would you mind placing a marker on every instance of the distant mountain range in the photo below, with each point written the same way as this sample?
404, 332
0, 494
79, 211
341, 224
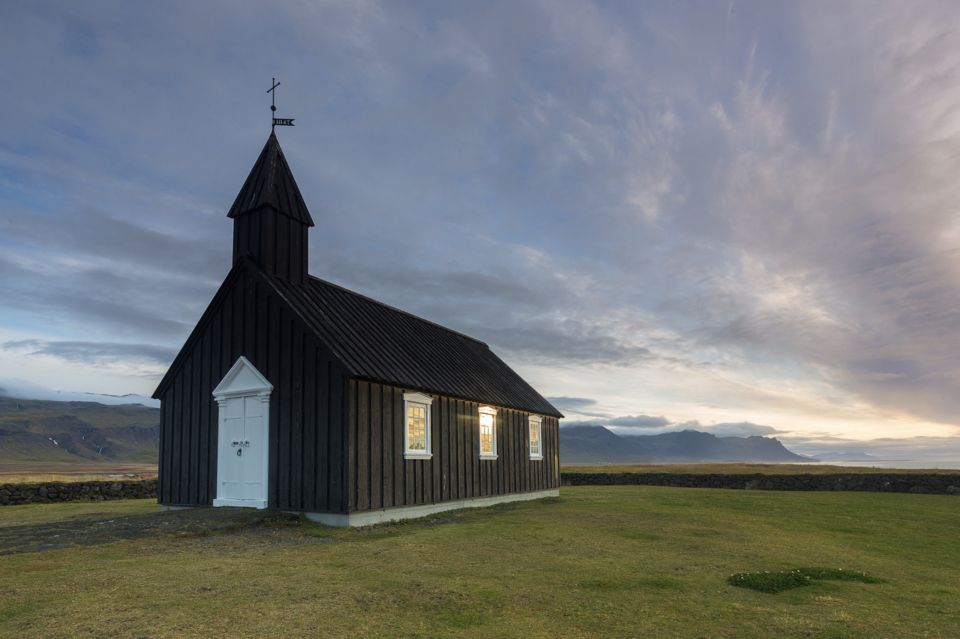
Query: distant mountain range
52, 431
599, 445
55, 431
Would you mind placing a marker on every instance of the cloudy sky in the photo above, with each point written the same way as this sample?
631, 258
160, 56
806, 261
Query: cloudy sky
662, 214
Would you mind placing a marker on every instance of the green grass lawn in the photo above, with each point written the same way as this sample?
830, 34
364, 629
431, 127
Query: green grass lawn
621, 561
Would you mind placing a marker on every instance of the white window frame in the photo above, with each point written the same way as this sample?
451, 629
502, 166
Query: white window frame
488, 410
535, 421
425, 401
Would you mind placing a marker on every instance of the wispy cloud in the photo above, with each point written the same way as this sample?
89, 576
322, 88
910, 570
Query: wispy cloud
93, 352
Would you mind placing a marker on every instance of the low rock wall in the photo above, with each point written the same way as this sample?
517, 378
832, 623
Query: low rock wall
49, 492
871, 482
946, 484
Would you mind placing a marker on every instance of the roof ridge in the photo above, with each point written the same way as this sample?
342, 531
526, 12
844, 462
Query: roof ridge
398, 310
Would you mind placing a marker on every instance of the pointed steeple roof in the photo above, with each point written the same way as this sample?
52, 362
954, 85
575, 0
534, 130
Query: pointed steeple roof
271, 184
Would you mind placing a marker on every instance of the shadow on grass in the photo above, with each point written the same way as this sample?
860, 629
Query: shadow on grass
780, 580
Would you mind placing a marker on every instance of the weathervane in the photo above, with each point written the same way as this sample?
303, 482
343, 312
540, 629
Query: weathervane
273, 108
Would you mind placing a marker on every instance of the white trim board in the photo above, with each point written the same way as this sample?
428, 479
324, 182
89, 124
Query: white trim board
371, 517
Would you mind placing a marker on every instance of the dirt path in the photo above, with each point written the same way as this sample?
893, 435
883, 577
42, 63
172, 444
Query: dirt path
93, 530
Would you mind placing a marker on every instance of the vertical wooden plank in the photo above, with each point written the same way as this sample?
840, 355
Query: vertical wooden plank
517, 458
471, 453
387, 453
376, 447
456, 465
189, 468
542, 468
335, 432
323, 425
556, 452
463, 425
501, 457
399, 421
445, 449
435, 463
547, 457
175, 437
271, 335
506, 460
309, 450
163, 475
363, 446
296, 416
547, 462
284, 398
350, 461
509, 435
420, 465
524, 471
206, 401
283, 239
189, 462
195, 460
218, 359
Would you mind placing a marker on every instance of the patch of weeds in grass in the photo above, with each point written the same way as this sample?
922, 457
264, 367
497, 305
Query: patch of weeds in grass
773, 582
633, 533
661, 583
615, 585
459, 617
8, 613
315, 530
604, 584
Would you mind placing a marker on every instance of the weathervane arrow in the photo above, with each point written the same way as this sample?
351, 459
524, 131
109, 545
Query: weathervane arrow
273, 107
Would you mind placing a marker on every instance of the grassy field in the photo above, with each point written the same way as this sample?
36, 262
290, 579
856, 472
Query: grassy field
736, 468
623, 561
34, 471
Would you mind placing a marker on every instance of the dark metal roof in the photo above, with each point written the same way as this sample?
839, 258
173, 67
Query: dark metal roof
381, 343
271, 184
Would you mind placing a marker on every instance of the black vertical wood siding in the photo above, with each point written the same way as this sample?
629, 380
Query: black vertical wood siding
380, 477
276, 242
307, 407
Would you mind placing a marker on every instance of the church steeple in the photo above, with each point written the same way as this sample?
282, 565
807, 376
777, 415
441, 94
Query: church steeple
270, 218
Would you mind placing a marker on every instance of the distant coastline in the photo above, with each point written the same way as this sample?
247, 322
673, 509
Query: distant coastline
893, 463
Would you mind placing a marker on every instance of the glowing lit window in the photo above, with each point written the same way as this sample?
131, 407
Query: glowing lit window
488, 432
536, 432
416, 432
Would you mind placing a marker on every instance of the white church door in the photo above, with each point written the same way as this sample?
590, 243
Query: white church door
243, 397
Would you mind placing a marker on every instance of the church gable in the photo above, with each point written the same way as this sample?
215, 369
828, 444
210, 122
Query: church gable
242, 379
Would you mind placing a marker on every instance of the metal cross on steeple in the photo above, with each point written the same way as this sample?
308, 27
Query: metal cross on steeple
273, 107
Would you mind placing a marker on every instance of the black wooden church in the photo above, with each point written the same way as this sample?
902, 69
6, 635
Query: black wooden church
294, 393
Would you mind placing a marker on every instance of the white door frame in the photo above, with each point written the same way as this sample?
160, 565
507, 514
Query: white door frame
243, 380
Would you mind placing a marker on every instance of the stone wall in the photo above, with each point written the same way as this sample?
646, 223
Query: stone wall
872, 482
946, 484
49, 492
